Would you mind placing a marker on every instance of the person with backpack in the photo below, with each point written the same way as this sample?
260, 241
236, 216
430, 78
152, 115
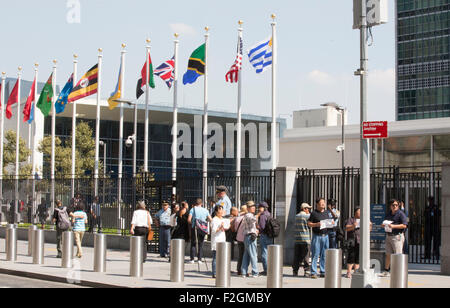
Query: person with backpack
62, 223
266, 227
198, 220
250, 222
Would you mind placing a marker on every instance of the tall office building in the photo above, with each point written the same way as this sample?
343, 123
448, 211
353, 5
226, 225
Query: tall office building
423, 57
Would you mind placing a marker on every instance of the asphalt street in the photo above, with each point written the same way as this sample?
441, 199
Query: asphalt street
7, 281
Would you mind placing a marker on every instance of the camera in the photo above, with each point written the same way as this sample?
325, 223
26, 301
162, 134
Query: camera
340, 148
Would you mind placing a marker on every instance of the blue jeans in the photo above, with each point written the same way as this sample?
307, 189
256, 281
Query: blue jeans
250, 256
265, 241
332, 239
214, 262
164, 240
319, 244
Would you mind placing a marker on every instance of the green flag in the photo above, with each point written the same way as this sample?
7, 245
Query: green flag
45, 100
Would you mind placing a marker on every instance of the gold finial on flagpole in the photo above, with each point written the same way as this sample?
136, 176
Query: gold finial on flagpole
148, 41
100, 50
206, 28
240, 22
273, 16
3, 73
36, 65
124, 45
75, 56
19, 68
176, 35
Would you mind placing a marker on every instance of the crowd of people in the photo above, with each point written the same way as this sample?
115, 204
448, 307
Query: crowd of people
316, 230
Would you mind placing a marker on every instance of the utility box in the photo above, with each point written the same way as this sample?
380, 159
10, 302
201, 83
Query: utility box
377, 12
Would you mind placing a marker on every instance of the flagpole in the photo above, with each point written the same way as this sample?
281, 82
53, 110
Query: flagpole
274, 86
97, 122
54, 97
205, 124
239, 126
16, 208
2, 119
147, 98
74, 126
33, 148
175, 115
122, 89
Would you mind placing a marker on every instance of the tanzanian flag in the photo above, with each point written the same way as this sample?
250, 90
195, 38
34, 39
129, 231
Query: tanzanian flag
45, 99
196, 65
87, 85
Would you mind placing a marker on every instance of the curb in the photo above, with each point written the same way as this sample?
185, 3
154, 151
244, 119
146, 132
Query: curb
83, 283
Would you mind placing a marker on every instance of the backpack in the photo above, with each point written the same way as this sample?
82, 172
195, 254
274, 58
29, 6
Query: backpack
63, 219
272, 228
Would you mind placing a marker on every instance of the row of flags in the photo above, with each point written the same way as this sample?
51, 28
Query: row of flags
260, 57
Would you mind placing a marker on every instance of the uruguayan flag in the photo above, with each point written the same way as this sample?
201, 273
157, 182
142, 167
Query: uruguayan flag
260, 55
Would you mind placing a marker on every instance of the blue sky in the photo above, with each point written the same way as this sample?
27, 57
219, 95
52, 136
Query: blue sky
317, 49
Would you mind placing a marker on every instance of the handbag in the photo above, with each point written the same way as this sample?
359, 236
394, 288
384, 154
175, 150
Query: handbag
201, 225
151, 233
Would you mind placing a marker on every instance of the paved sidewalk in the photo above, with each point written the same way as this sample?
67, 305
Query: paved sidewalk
157, 271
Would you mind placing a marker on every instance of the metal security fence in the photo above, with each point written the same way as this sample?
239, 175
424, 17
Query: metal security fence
414, 188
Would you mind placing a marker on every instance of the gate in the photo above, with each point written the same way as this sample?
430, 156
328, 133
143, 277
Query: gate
411, 187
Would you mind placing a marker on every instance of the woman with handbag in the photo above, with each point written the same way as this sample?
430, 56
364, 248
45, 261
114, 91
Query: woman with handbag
141, 225
198, 220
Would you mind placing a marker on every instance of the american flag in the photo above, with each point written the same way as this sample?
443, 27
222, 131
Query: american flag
166, 71
233, 73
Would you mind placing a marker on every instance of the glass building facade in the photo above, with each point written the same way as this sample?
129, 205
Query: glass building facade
423, 59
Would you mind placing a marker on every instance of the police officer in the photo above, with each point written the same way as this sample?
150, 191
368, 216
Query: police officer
223, 199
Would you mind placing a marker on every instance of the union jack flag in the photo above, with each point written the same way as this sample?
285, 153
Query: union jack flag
166, 71
233, 73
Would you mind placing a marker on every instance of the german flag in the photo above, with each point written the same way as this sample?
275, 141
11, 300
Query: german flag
87, 85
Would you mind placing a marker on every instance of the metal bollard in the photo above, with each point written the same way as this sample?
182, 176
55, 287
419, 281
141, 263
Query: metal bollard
11, 243
30, 238
223, 268
136, 256
333, 268
399, 271
38, 246
100, 253
177, 260
274, 266
67, 249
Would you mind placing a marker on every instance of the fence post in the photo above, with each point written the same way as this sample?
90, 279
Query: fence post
100, 253
333, 268
399, 271
275, 266
30, 238
11, 243
67, 249
223, 258
136, 256
38, 246
177, 260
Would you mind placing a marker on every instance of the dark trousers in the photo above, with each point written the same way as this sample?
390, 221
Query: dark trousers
142, 231
200, 238
241, 247
432, 240
59, 233
96, 222
301, 252
164, 240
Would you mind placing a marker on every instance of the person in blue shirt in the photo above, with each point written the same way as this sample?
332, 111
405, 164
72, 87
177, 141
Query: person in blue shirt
79, 227
198, 212
163, 222
223, 199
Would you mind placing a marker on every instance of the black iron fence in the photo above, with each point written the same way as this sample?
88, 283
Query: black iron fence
17, 196
412, 187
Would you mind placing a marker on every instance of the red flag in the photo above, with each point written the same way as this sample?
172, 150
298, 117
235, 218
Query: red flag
29, 103
13, 98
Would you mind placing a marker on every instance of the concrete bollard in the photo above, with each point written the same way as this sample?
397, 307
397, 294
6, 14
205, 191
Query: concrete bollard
67, 249
136, 256
399, 271
38, 246
275, 266
223, 268
177, 260
30, 239
11, 243
333, 268
100, 253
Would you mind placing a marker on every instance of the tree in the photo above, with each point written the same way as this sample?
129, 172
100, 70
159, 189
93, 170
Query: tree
84, 152
9, 155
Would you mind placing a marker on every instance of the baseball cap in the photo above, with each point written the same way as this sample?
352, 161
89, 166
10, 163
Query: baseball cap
305, 206
221, 188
